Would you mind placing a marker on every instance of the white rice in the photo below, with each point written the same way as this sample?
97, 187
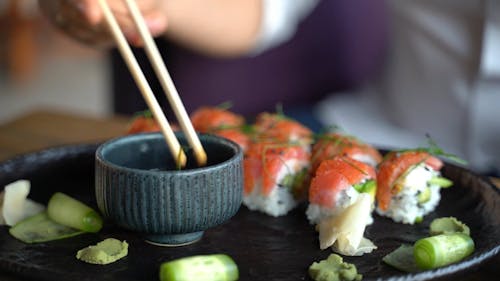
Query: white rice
344, 199
404, 206
280, 201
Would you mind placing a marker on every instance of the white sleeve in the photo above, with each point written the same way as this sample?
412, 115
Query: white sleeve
279, 22
490, 64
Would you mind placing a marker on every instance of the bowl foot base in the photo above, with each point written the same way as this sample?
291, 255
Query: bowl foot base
174, 240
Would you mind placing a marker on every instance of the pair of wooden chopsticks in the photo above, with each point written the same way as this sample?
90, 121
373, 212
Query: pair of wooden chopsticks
165, 80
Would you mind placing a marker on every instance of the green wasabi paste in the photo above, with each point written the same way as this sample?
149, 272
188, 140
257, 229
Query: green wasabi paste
334, 269
104, 252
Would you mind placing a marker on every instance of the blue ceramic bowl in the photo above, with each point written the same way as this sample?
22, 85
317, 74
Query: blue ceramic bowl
139, 188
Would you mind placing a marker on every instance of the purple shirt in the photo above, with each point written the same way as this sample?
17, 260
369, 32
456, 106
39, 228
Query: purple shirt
337, 47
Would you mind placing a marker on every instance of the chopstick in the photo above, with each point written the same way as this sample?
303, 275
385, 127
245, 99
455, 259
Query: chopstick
126, 52
167, 83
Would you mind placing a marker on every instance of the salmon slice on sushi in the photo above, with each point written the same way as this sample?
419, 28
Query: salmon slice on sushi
332, 144
279, 128
144, 122
143, 125
409, 184
275, 177
235, 134
222, 122
206, 119
341, 200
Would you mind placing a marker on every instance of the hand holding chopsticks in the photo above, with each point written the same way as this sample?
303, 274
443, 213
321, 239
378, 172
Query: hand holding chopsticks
165, 80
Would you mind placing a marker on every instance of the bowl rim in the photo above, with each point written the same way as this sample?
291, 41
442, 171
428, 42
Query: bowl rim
99, 157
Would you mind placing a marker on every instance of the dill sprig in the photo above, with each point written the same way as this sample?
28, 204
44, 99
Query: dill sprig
225, 105
435, 150
351, 163
144, 113
280, 111
326, 132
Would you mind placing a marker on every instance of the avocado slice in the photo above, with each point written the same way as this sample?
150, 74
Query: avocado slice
441, 181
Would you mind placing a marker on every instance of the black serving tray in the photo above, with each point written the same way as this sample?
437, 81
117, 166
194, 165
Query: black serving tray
265, 248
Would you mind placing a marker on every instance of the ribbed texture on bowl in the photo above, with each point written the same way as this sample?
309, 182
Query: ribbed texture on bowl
161, 202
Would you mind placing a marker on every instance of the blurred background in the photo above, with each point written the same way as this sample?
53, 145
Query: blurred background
441, 77
42, 69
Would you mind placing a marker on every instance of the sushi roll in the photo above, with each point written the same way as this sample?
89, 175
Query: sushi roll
341, 199
280, 128
144, 122
274, 176
235, 134
221, 122
409, 184
208, 119
333, 144
337, 184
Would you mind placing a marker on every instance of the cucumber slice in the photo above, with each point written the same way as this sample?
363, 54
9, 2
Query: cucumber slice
402, 259
68, 211
441, 250
441, 181
448, 225
216, 267
40, 228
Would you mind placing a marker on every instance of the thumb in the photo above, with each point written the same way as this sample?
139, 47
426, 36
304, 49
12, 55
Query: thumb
91, 10
157, 24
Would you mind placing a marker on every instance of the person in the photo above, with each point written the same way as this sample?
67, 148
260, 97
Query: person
256, 54
442, 78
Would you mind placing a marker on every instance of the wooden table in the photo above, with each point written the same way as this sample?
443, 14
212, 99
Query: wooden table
43, 129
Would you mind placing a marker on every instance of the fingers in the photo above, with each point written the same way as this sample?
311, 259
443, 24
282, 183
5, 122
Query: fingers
157, 24
91, 10
154, 14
